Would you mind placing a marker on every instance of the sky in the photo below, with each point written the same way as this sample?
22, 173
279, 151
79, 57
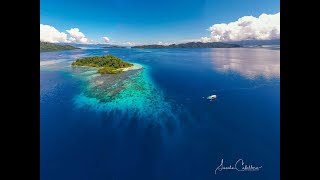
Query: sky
134, 22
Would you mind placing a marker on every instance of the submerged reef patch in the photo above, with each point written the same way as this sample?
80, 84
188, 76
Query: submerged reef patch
129, 95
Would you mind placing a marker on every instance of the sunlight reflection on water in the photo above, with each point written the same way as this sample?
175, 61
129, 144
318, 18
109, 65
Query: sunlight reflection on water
250, 64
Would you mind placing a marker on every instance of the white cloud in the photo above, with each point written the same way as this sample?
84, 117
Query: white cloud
77, 36
205, 39
129, 43
162, 43
51, 34
106, 39
265, 27
187, 40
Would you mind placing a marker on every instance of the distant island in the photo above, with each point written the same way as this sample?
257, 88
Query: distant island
46, 46
192, 45
257, 42
114, 46
108, 64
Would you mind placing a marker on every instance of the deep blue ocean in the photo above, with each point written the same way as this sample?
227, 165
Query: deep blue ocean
155, 123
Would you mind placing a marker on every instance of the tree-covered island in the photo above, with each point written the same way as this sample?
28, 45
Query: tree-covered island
108, 64
46, 46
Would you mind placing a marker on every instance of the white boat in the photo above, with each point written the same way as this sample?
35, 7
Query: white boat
212, 97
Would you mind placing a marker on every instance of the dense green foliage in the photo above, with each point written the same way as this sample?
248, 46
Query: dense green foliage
108, 63
101, 61
46, 46
192, 45
109, 70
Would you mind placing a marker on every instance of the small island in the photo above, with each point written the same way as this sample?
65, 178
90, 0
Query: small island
108, 64
46, 46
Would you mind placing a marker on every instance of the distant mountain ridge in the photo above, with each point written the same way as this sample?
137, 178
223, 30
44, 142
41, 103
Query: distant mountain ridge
113, 46
192, 45
46, 46
257, 42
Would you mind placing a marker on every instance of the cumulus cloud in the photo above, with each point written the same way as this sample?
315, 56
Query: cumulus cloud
106, 39
162, 43
264, 27
205, 39
51, 34
77, 36
129, 43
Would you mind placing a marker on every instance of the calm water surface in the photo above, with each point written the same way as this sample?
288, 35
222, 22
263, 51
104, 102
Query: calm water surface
155, 123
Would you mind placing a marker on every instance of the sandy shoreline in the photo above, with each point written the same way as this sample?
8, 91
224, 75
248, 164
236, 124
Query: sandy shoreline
134, 67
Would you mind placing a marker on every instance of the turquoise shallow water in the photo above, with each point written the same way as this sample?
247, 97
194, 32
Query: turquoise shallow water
155, 123
132, 94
